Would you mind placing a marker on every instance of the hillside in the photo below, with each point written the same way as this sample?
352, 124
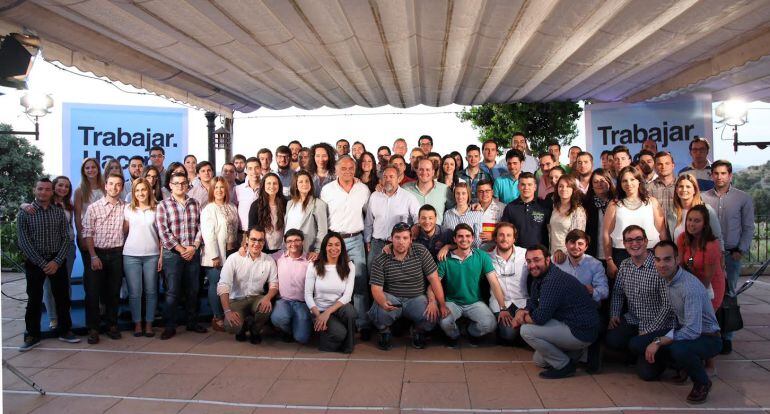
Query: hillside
755, 180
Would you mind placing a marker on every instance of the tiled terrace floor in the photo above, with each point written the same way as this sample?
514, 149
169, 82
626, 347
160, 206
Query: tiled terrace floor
194, 373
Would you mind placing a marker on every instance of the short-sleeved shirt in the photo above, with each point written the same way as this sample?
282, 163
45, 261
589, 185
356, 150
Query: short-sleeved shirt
403, 278
440, 238
462, 276
531, 220
506, 188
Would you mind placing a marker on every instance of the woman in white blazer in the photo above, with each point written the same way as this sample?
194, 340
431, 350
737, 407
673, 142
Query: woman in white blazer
307, 213
219, 227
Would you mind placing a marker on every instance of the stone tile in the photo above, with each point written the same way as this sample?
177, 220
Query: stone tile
723, 394
144, 362
372, 370
282, 410
482, 371
489, 353
625, 389
183, 341
350, 411
313, 370
434, 372
57, 379
763, 331
730, 371
300, 392
76, 405
745, 335
37, 358
434, 351
193, 364
435, 395
89, 360
12, 382
173, 386
12, 329
378, 392
272, 347
23, 403
262, 368
577, 392
238, 389
197, 408
221, 344
754, 391
753, 350
137, 406
113, 381
369, 350
499, 386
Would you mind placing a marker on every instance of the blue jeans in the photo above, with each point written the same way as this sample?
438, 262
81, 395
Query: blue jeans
142, 276
412, 308
482, 319
638, 346
732, 272
357, 253
691, 354
180, 272
48, 300
293, 316
212, 274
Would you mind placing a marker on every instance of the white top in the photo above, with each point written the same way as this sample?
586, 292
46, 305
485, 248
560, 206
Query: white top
561, 224
96, 194
644, 217
385, 211
346, 209
245, 276
142, 239
294, 216
323, 292
244, 196
219, 224
512, 275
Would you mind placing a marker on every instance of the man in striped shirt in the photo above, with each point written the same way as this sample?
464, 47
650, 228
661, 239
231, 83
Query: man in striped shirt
178, 220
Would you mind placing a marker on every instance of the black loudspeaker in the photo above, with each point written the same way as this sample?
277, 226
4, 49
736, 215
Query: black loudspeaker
15, 62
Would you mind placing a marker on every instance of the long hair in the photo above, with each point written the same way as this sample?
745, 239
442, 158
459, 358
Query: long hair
575, 198
373, 179
156, 192
343, 268
170, 170
150, 196
294, 190
638, 176
108, 167
467, 188
85, 186
605, 174
264, 218
459, 163
442, 174
706, 236
67, 199
696, 198
312, 167
214, 182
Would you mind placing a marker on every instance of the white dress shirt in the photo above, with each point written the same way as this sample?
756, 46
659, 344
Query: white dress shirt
385, 211
512, 275
246, 276
346, 209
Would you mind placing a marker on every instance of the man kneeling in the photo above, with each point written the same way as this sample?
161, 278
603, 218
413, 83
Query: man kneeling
398, 285
560, 320
241, 288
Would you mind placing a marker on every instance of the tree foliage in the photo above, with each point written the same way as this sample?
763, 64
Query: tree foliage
21, 163
755, 180
540, 122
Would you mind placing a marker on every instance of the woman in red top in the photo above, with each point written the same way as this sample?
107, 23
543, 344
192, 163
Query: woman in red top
700, 253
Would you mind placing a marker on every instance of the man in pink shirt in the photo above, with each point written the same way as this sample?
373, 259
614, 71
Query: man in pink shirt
290, 313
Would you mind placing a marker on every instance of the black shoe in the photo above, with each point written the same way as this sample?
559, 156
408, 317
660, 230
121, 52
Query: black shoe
286, 337
196, 328
366, 334
567, 371
93, 337
168, 333
727, 348
114, 333
241, 337
699, 393
594, 363
255, 338
384, 342
418, 340
452, 343
475, 341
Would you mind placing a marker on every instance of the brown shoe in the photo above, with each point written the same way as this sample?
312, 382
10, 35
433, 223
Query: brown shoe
93, 337
218, 324
699, 393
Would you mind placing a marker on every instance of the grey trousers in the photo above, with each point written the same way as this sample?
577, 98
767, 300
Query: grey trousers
554, 344
338, 336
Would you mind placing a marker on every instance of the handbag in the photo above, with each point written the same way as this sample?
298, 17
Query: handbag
729, 314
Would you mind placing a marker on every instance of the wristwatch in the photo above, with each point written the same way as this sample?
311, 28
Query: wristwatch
657, 340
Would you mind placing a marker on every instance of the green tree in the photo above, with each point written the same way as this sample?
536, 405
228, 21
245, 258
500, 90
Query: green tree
540, 122
21, 163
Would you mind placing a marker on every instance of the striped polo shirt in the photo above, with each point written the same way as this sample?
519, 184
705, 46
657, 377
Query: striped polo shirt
403, 279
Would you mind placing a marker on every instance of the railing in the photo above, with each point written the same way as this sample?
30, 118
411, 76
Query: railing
760, 245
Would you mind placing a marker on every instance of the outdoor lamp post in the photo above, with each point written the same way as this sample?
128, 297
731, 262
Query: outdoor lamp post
735, 113
36, 105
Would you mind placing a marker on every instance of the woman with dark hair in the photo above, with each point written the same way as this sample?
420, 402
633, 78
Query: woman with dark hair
448, 175
307, 213
601, 191
366, 171
174, 167
632, 206
190, 164
567, 214
458, 161
328, 290
321, 165
152, 175
269, 211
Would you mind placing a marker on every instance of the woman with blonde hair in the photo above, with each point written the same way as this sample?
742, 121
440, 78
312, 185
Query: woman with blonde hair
219, 228
307, 213
568, 213
687, 196
90, 190
141, 255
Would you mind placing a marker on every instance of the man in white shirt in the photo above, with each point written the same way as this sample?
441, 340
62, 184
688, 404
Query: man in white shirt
387, 208
519, 142
247, 193
347, 199
241, 289
511, 268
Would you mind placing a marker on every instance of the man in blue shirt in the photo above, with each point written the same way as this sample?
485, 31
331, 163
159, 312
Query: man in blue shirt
506, 187
560, 320
695, 336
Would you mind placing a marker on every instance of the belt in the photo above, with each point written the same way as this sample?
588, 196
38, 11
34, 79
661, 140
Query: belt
349, 235
110, 250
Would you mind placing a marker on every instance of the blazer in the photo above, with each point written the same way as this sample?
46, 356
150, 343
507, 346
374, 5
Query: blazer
314, 225
214, 232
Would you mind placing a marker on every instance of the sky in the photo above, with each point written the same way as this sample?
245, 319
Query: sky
270, 128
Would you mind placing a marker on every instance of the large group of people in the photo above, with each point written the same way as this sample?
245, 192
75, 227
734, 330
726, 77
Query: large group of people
335, 241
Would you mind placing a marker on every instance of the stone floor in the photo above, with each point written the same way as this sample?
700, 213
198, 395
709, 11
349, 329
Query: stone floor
201, 373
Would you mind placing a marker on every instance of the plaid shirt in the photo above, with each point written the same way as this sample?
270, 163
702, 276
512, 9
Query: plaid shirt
43, 235
663, 193
464, 176
104, 223
179, 223
645, 292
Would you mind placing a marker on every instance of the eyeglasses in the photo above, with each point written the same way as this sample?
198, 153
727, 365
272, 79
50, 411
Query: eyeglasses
635, 240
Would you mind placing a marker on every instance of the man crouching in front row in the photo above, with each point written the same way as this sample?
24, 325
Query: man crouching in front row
241, 289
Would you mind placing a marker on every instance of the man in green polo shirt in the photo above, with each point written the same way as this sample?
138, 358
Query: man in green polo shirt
462, 271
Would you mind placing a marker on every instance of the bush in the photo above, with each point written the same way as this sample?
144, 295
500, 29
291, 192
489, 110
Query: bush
12, 256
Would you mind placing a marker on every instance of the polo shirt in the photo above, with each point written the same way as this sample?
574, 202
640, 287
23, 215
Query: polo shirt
403, 278
506, 188
496, 171
531, 220
462, 277
346, 209
437, 197
440, 238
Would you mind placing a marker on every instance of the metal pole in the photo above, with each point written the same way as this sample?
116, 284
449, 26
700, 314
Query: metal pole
23, 377
211, 117
229, 148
